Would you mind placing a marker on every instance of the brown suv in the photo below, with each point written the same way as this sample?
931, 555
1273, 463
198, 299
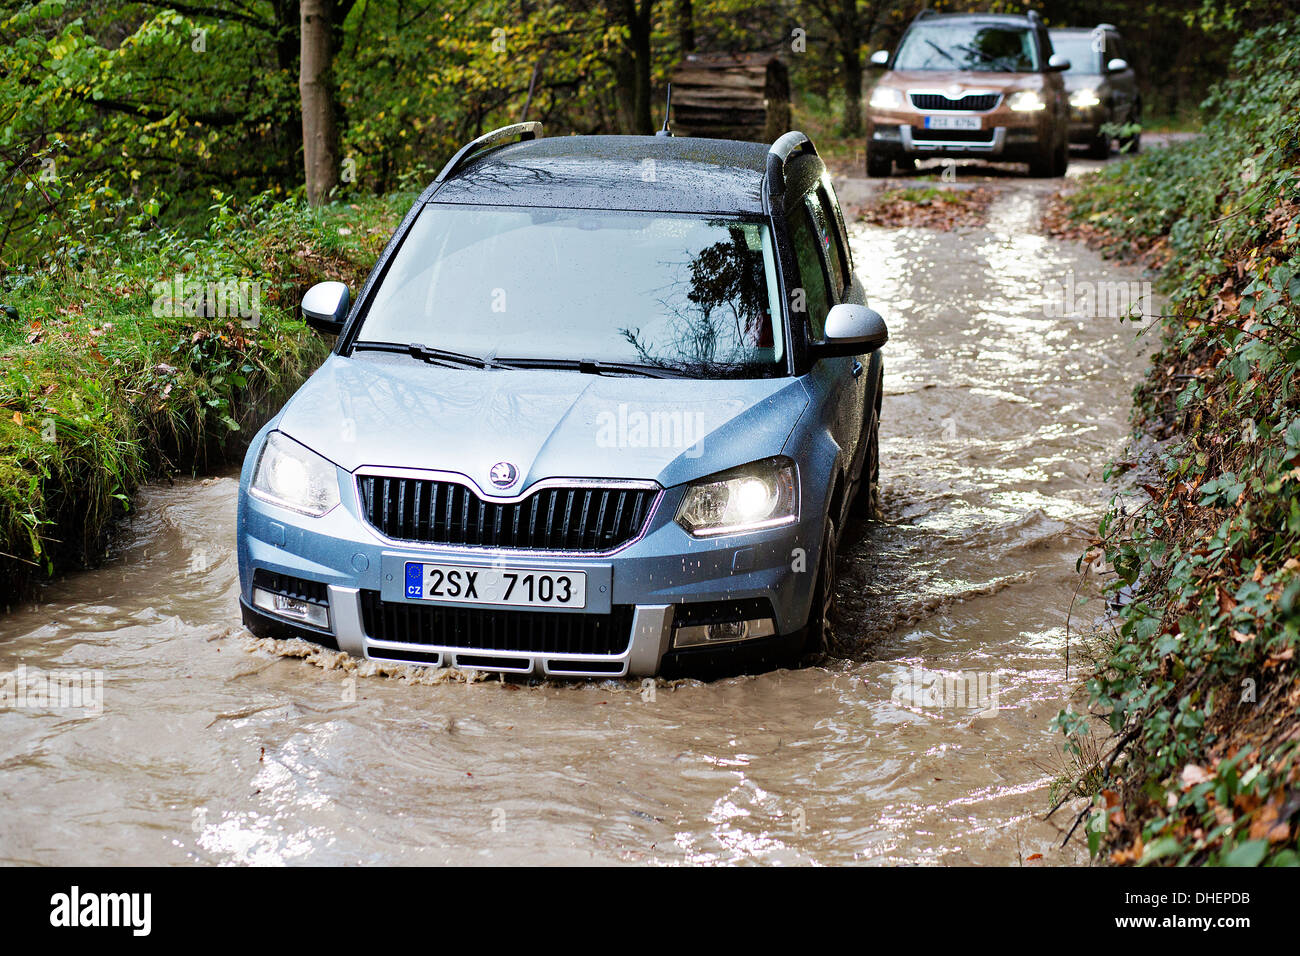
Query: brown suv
970, 84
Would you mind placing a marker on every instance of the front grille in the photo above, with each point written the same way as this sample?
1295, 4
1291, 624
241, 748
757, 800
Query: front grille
981, 136
534, 632
436, 511
971, 102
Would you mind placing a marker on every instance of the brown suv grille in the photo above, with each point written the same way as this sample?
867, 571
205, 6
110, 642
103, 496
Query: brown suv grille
552, 519
972, 102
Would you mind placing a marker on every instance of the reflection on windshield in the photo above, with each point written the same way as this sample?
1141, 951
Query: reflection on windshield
673, 291
987, 48
1077, 48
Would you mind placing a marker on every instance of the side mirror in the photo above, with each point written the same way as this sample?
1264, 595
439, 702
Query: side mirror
1117, 65
852, 330
1057, 63
880, 58
325, 306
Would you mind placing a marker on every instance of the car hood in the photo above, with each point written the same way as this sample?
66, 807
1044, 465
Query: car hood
956, 82
393, 411
1081, 81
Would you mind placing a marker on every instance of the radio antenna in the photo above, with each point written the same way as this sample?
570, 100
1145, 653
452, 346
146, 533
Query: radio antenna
668, 108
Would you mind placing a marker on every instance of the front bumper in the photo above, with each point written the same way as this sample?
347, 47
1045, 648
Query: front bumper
646, 583
1086, 123
1004, 134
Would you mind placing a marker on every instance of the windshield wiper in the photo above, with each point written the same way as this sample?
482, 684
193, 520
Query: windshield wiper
435, 356
598, 367
942, 52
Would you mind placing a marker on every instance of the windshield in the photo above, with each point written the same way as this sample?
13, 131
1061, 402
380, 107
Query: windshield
985, 48
1077, 48
681, 292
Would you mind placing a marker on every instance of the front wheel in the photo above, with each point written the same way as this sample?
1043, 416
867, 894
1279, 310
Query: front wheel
1061, 158
866, 503
1040, 166
1099, 148
820, 633
878, 165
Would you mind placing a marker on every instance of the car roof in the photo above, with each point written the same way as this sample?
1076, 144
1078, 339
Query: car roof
1015, 19
650, 173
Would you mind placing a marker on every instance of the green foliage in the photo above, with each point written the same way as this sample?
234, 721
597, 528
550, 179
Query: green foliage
109, 379
1203, 680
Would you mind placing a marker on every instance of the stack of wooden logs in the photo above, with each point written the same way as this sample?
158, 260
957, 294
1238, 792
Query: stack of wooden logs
731, 96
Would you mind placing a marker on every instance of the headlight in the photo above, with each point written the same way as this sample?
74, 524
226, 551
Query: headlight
1082, 99
763, 494
885, 98
293, 476
1026, 101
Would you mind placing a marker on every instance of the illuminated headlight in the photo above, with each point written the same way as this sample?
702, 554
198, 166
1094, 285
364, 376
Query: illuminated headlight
293, 476
764, 494
1082, 99
885, 98
1026, 101
295, 609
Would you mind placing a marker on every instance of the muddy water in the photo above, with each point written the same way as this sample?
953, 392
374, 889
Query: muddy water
997, 422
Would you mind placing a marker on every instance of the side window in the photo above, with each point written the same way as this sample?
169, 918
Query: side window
826, 239
812, 272
839, 238
1114, 47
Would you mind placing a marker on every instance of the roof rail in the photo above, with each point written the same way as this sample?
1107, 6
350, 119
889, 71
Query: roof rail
790, 146
1106, 26
498, 137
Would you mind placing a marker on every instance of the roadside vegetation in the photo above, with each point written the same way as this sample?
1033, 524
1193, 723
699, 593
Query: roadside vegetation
155, 355
1200, 690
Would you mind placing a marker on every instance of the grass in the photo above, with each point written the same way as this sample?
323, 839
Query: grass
106, 384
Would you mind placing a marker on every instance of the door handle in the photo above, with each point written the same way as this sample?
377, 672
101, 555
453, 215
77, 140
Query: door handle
857, 368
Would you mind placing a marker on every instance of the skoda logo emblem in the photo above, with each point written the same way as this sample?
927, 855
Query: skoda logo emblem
503, 474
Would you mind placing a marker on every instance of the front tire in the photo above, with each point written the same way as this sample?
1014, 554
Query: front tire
866, 503
820, 632
1061, 159
878, 165
1040, 166
1099, 148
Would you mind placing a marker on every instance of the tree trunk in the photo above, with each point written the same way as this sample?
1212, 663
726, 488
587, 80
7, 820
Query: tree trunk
632, 68
851, 66
316, 87
686, 25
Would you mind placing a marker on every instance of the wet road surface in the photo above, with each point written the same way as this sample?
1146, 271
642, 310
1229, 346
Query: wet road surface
929, 742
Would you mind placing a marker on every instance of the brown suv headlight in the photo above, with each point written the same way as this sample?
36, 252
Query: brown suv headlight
1083, 99
1026, 101
885, 98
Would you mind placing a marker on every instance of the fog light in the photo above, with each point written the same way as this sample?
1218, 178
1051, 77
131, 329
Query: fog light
723, 632
293, 609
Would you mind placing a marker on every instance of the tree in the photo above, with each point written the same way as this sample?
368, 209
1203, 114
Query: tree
852, 23
320, 131
632, 65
